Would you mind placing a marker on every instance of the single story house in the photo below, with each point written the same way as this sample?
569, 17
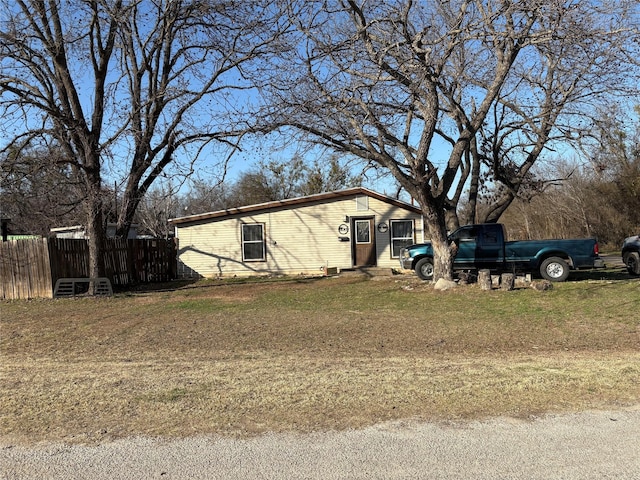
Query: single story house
333, 231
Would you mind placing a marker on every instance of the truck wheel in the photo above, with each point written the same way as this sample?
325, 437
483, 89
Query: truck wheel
632, 261
424, 269
554, 269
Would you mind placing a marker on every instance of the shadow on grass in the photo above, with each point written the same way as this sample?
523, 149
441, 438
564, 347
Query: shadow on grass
200, 283
169, 286
614, 271
606, 274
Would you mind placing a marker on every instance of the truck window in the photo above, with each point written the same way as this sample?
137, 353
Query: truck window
465, 234
490, 237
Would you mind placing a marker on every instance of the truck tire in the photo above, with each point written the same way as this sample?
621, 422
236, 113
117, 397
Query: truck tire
632, 262
424, 268
554, 269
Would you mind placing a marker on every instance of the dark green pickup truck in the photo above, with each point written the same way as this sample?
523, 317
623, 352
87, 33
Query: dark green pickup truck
484, 246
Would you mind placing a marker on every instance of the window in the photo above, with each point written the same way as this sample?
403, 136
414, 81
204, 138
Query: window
363, 231
465, 234
362, 203
490, 237
253, 246
401, 236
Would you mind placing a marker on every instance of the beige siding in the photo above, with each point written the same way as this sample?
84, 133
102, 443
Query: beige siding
299, 239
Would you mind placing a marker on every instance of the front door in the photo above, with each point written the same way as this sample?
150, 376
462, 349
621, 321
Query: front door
363, 242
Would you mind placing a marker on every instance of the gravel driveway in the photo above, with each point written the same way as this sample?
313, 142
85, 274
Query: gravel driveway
592, 445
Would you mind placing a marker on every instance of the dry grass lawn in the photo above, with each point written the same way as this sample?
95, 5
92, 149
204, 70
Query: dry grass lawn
311, 354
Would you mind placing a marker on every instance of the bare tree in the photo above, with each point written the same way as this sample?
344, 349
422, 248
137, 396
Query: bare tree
160, 203
203, 196
41, 100
616, 161
584, 62
130, 89
584, 204
38, 191
416, 87
599, 198
181, 54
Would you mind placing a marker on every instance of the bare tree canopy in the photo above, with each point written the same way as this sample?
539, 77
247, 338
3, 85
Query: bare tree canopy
558, 94
38, 192
599, 200
440, 92
126, 88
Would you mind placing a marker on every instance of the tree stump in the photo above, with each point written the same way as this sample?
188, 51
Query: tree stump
507, 281
484, 279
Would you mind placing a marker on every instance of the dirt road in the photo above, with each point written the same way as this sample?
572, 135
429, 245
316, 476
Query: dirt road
593, 445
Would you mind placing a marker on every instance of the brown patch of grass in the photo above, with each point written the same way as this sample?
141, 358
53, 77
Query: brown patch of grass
311, 355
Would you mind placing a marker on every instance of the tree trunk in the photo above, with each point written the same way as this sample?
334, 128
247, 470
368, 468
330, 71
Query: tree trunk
442, 259
125, 215
96, 233
507, 281
435, 219
484, 280
474, 185
96, 229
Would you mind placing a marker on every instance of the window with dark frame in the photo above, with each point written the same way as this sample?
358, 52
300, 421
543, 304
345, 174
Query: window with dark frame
401, 236
363, 231
253, 244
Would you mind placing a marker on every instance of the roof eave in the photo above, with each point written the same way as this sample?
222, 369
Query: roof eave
290, 202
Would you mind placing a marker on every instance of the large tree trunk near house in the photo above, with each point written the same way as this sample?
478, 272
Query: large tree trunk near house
442, 259
96, 230
436, 222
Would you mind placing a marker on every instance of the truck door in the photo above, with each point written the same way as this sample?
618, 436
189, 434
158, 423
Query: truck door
489, 251
465, 239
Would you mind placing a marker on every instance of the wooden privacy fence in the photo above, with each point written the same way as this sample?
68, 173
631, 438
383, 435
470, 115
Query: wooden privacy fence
25, 270
30, 268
